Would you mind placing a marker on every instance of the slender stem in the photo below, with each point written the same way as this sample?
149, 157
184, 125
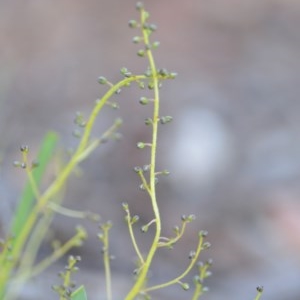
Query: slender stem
132, 236
106, 260
145, 268
259, 293
187, 270
56, 186
172, 241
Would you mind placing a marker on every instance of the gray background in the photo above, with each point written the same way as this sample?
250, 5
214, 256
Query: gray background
232, 149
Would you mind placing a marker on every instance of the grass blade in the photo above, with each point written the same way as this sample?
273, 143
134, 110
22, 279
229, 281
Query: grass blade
27, 198
79, 294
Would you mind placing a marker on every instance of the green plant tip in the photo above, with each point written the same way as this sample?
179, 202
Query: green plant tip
192, 254
146, 168
141, 145
206, 245
137, 169
24, 148
148, 121
136, 39
203, 233
133, 23
125, 206
260, 289
172, 75
141, 85
165, 120
16, 164
191, 218
155, 45
102, 80
152, 27
141, 53
185, 286
144, 228
139, 6
144, 100
150, 85
135, 219
165, 172
125, 72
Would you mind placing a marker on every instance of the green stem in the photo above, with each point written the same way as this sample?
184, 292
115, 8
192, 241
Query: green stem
155, 120
56, 186
181, 276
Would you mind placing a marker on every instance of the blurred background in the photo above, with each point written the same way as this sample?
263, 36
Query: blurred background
233, 149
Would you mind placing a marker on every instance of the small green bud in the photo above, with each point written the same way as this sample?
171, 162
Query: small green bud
172, 75
152, 27
191, 218
148, 73
165, 172
141, 145
136, 39
71, 259
208, 273
165, 120
203, 233
139, 6
127, 84
155, 45
185, 286
24, 148
144, 228
137, 169
176, 230
148, 47
16, 163
102, 80
81, 232
192, 254
133, 23
197, 280
144, 100
209, 262
163, 72
147, 15
141, 85
146, 168
125, 206
206, 245
141, 53
125, 72
260, 288
134, 219
148, 121
150, 85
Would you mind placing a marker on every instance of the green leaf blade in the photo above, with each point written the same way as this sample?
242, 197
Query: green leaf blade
79, 294
27, 197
